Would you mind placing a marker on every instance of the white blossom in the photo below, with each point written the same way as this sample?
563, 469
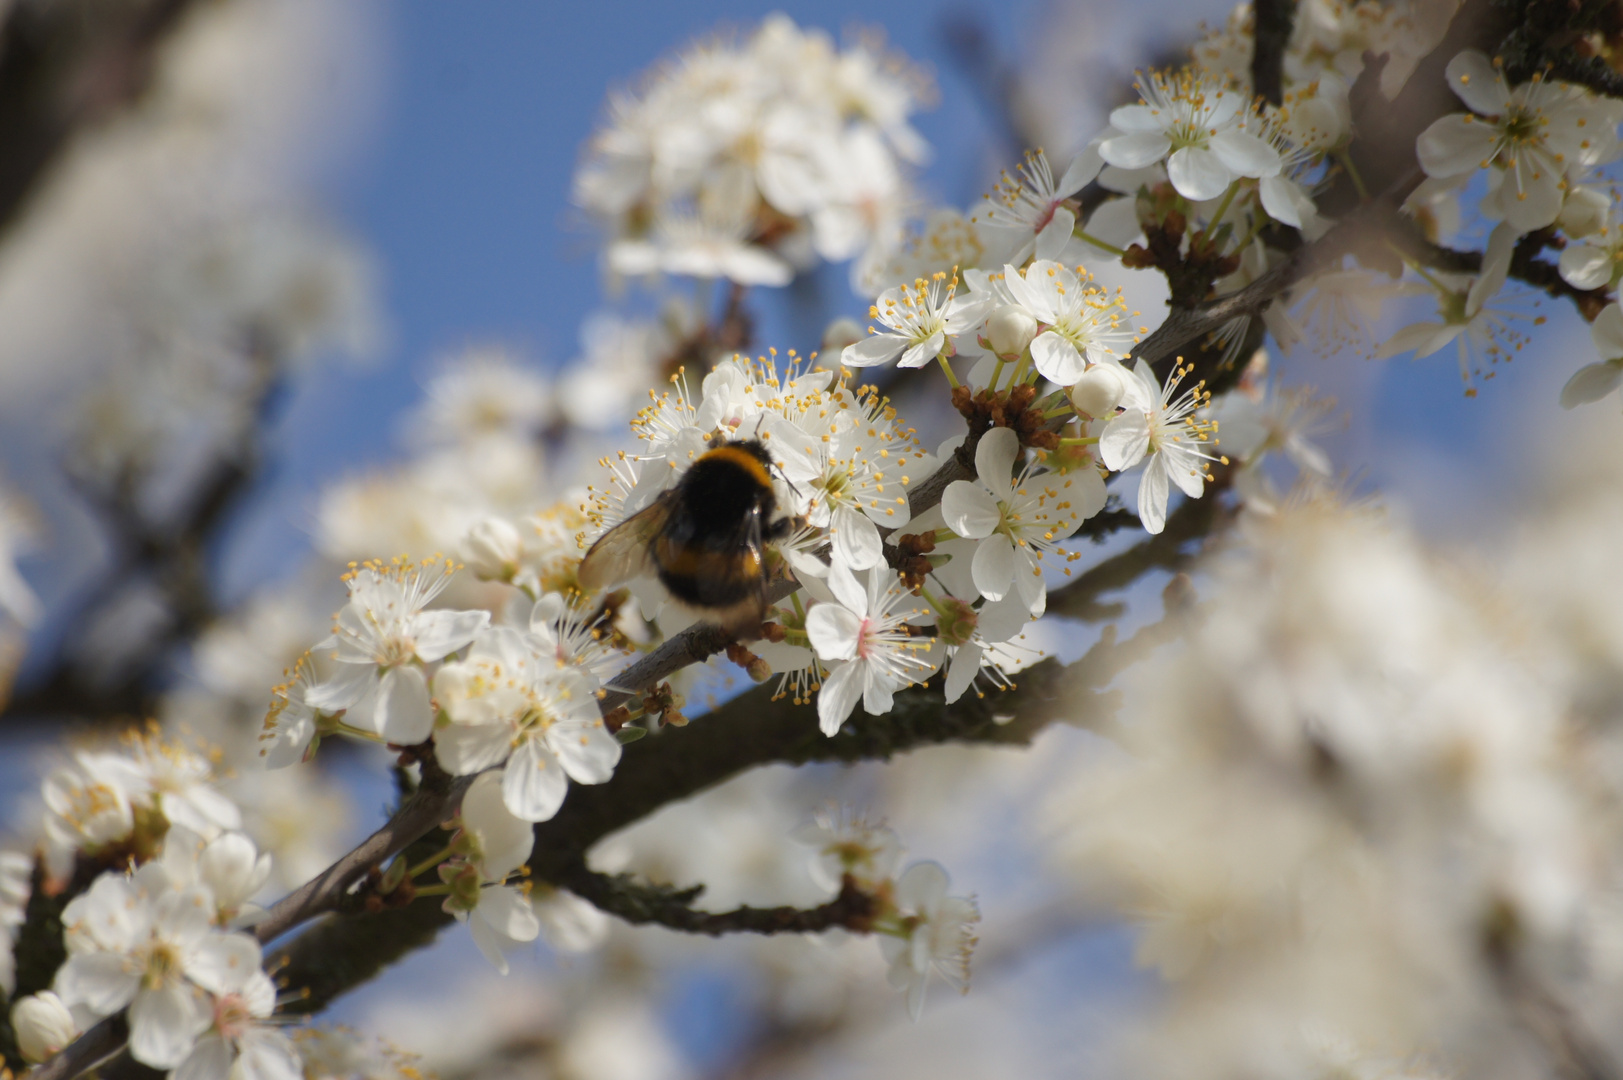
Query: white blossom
1165, 429
1197, 126
922, 318
864, 639
939, 937
381, 639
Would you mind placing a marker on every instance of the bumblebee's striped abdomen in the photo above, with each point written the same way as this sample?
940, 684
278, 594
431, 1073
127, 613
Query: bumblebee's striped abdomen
709, 552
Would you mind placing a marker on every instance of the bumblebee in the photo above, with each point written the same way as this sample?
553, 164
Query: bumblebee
702, 538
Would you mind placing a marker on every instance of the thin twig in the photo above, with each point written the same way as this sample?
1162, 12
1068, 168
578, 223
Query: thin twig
639, 903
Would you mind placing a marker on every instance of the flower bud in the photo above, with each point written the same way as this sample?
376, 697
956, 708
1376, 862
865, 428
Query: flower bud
43, 1025
492, 549
840, 333
1100, 390
1010, 330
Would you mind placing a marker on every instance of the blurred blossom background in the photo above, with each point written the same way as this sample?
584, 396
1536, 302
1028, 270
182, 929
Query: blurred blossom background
301, 283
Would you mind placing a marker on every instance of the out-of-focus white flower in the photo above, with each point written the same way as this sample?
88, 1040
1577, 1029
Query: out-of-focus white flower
1533, 134
1595, 381
568, 923
1197, 125
700, 245
292, 724
1253, 423
501, 842
43, 1025
481, 393
143, 943
1463, 311
1596, 263
514, 700
1153, 423
17, 534
923, 319
939, 934
381, 639
16, 885
1018, 519
242, 1044
229, 867
864, 640
849, 844
492, 549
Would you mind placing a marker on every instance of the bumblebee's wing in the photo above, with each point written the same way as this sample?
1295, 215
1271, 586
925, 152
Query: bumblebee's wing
622, 553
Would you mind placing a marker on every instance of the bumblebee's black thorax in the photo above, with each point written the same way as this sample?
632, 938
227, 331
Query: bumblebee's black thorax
709, 552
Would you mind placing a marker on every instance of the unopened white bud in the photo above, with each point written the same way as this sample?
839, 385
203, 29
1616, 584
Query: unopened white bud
1100, 390
1010, 330
1584, 212
840, 333
492, 549
43, 1025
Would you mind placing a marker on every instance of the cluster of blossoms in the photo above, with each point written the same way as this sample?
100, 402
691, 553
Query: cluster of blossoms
159, 929
750, 160
921, 929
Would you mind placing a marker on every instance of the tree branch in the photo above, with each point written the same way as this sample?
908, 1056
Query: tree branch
640, 903
1270, 32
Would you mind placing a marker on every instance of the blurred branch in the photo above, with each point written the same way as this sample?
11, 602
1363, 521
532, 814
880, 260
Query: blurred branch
1270, 33
64, 67
640, 903
173, 555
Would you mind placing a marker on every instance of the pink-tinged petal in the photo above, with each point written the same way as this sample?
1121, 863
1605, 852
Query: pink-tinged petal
102, 982
966, 664
873, 350
1136, 149
1136, 118
968, 510
1125, 441
1081, 171
1056, 234
1478, 83
1056, 358
463, 749
1455, 145
834, 631
534, 784
1591, 383
925, 351
994, 461
1198, 174
268, 1055
224, 963
993, 566
1586, 267
1152, 495
1246, 154
838, 695
165, 1023
402, 713
588, 753
1607, 332
210, 1059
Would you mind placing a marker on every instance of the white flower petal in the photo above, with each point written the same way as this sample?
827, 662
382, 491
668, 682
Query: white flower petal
1584, 266
1152, 495
838, 695
993, 566
833, 631
1198, 174
534, 784
994, 461
968, 510
437, 634
165, 1023
873, 350
1136, 149
1246, 154
1607, 332
1057, 359
1591, 383
1455, 145
1478, 83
